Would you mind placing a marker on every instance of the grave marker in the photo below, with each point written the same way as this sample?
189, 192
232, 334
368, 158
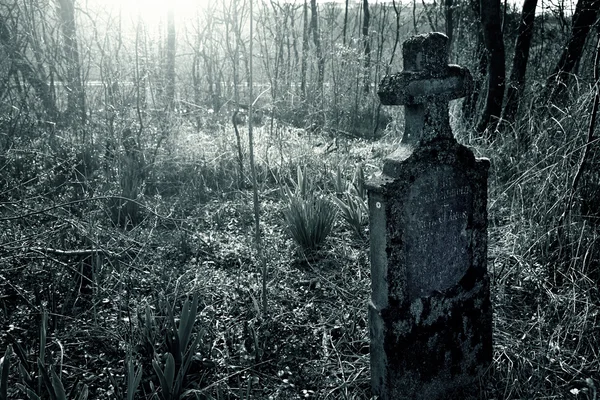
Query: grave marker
430, 312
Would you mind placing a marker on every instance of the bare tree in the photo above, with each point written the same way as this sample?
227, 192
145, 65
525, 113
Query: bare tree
449, 11
170, 65
198, 43
367, 45
314, 26
304, 49
75, 91
233, 40
20, 66
494, 43
345, 22
429, 13
414, 17
480, 54
520, 58
586, 12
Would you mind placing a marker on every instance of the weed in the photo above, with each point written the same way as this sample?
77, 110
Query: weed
309, 217
354, 211
309, 220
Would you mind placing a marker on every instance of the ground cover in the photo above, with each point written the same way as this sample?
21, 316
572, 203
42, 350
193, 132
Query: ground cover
194, 245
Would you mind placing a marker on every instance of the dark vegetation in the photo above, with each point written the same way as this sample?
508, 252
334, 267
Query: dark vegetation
129, 264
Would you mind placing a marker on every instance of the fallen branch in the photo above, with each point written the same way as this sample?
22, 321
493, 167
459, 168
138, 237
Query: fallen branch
72, 253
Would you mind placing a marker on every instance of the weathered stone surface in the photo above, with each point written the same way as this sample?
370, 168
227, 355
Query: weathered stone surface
430, 312
420, 87
425, 87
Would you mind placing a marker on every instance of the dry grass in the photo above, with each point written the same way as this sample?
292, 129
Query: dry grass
196, 238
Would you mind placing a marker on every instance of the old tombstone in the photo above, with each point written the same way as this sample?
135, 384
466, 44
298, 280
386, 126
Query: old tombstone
430, 311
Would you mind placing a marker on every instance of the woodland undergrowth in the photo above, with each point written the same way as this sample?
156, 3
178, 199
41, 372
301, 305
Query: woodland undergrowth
170, 306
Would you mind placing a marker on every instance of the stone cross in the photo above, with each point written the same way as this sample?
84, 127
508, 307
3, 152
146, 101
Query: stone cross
425, 87
430, 313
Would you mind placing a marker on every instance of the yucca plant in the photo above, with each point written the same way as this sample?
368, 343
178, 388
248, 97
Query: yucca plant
180, 355
358, 181
132, 380
55, 387
354, 211
309, 220
349, 198
300, 187
339, 182
47, 377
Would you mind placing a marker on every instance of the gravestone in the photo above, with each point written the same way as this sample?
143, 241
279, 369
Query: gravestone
430, 313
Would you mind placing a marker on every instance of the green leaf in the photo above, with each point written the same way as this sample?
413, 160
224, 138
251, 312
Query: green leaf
83, 395
149, 325
170, 371
166, 378
186, 324
172, 337
46, 378
309, 220
354, 211
187, 360
21, 354
358, 181
25, 375
58, 387
133, 379
43, 328
301, 182
338, 183
4, 369
30, 393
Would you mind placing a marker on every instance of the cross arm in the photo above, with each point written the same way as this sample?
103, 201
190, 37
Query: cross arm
420, 87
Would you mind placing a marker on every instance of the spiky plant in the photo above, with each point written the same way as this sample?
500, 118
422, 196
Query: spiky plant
354, 211
309, 220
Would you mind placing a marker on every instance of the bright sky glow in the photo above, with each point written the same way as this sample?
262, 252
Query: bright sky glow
153, 11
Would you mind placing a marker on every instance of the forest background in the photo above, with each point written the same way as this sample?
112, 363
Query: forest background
182, 202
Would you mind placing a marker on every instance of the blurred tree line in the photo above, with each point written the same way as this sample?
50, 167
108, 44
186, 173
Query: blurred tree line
81, 64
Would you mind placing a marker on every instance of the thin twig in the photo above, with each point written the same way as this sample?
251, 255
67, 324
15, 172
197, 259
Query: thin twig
44, 210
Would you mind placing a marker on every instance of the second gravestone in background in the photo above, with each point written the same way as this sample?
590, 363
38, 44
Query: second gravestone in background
430, 312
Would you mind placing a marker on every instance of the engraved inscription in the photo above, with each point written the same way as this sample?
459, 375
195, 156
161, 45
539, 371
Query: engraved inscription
436, 241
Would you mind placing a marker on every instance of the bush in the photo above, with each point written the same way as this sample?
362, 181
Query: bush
354, 211
309, 218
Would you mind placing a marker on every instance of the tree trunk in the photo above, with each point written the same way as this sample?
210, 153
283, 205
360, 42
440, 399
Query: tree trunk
345, 22
304, 50
196, 84
492, 36
36, 81
396, 38
584, 17
74, 86
469, 106
519, 67
414, 14
449, 11
367, 45
314, 26
170, 72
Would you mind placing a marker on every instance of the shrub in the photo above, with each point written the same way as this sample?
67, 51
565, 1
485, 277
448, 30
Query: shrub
309, 220
349, 197
354, 211
309, 217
